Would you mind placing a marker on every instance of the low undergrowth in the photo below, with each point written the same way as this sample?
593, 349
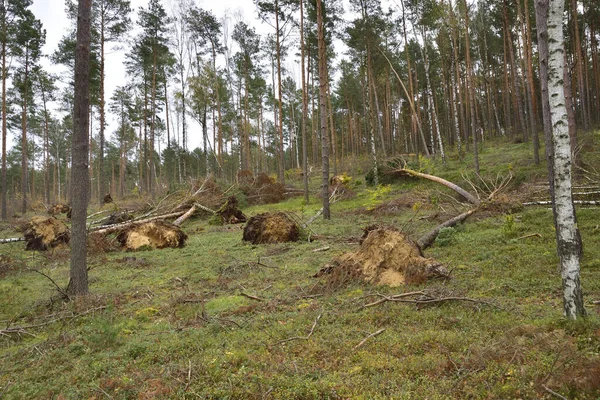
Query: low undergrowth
220, 318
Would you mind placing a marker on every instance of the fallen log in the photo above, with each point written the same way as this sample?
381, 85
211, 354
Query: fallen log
185, 216
114, 228
12, 240
576, 202
427, 240
472, 199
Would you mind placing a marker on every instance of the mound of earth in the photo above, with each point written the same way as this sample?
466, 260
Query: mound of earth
271, 228
155, 234
46, 233
385, 257
230, 213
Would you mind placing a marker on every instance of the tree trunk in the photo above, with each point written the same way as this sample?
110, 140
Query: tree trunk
78, 284
549, 19
24, 155
4, 188
281, 169
101, 180
471, 90
304, 107
323, 110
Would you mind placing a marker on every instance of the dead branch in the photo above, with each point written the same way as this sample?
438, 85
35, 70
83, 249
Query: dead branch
303, 337
372, 335
12, 240
321, 249
426, 299
553, 393
251, 297
427, 240
531, 235
113, 228
63, 293
24, 329
472, 199
396, 296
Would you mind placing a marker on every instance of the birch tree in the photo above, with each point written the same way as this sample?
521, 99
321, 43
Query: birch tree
549, 15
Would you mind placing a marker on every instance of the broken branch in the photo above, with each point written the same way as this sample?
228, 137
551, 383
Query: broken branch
372, 335
303, 337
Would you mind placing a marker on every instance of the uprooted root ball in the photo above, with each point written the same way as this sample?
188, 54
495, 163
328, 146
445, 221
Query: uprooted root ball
271, 228
155, 234
46, 233
385, 257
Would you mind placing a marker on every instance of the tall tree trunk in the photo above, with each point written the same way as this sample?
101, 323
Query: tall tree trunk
101, 179
323, 110
4, 188
78, 284
579, 66
304, 106
549, 15
471, 90
281, 169
24, 155
46, 146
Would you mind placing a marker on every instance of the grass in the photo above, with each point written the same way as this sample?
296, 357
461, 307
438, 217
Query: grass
176, 323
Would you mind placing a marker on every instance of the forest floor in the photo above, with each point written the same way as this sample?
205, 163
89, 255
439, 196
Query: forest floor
221, 318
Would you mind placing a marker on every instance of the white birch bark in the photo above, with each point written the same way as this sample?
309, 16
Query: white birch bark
568, 239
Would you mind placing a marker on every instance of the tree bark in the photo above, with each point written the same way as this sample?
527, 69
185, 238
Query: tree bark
550, 30
78, 284
304, 106
323, 110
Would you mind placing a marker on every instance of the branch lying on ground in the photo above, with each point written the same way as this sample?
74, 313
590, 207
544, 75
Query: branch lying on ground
63, 293
372, 335
425, 298
19, 330
303, 337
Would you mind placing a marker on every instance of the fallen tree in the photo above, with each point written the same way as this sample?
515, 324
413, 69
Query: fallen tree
468, 196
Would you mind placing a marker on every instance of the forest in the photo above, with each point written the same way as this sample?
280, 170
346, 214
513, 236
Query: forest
340, 199
422, 76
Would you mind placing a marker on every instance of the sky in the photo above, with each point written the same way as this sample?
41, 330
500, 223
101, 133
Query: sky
54, 20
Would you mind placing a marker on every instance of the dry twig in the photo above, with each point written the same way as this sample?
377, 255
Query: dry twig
250, 296
553, 393
303, 337
372, 335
